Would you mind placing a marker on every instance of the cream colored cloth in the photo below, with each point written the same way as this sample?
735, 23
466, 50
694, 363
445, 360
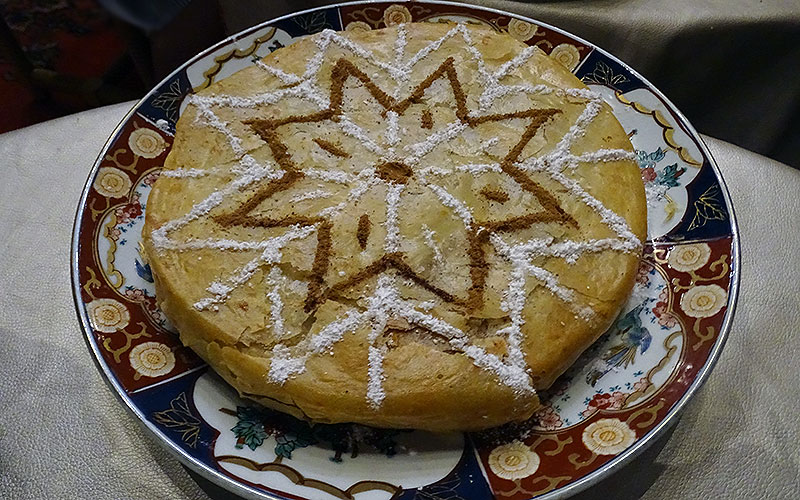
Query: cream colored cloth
63, 434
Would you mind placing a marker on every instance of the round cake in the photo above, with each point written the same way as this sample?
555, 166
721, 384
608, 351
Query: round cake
412, 227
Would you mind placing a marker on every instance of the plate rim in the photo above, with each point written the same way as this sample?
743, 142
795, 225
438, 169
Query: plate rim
606, 470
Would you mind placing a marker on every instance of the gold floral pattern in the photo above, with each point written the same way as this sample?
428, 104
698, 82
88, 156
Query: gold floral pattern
608, 436
396, 14
358, 26
152, 359
146, 143
521, 30
108, 315
704, 301
112, 182
566, 54
514, 460
686, 258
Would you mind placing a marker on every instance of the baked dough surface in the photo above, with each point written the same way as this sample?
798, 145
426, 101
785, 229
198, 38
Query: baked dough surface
413, 227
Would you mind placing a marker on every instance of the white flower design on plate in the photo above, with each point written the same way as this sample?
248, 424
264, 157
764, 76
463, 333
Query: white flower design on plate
521, 30
687, 258
608, 436
108, 315
514, 460
704, 301
396, 14
152, 359
358, 26
112, 182
146, 143
566, 54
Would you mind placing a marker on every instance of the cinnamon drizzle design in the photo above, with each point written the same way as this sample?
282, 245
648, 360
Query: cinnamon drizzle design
362, 234
398, 173
331, 148
426, 119
494, 194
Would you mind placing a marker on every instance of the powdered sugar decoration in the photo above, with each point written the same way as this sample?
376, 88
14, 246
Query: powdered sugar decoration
392, 206
448, 200
220, 291
286, 78
429, 235
385, 302
189, 172
392, 128
311, 195
275, 280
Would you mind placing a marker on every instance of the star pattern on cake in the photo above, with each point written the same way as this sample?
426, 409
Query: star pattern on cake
394, 168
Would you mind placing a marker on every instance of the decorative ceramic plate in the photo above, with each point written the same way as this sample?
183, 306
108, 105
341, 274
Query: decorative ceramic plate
616, 399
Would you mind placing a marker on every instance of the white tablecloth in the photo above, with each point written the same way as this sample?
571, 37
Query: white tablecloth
63, 434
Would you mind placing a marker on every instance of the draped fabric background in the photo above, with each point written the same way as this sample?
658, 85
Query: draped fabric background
731, 66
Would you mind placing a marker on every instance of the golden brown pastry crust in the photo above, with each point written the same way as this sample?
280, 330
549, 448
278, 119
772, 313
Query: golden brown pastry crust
447, 271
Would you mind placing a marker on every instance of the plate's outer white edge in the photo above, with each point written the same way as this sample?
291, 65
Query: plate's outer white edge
560, 493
